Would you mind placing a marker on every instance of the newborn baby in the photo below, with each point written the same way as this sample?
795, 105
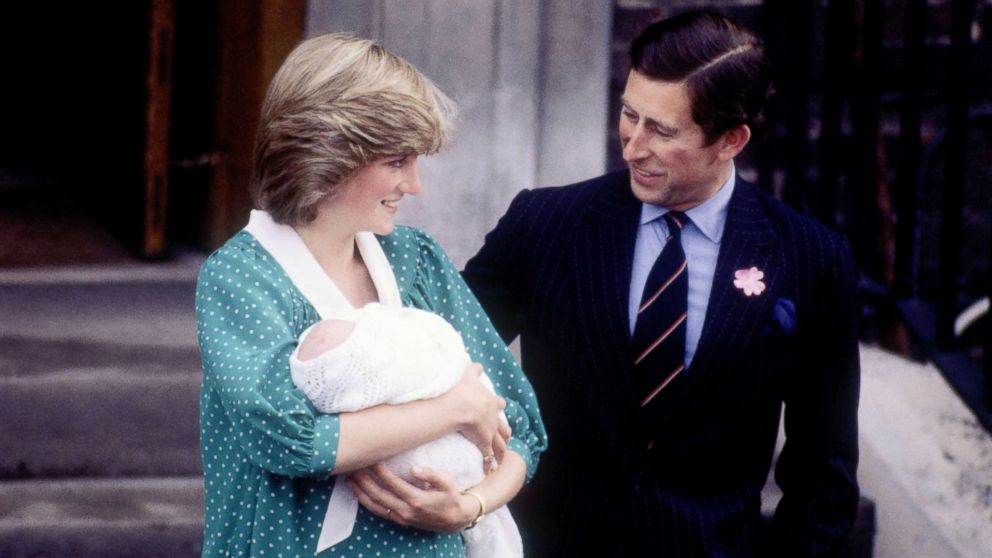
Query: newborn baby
391, 355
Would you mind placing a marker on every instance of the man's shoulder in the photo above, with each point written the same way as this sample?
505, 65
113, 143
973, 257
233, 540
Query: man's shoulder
788, 220
589, 187
571, 199
802, 235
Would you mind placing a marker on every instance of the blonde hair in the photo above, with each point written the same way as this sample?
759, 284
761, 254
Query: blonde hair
337, 103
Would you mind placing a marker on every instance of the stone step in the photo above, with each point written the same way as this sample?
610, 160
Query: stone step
94, 408
101, 308
93, 518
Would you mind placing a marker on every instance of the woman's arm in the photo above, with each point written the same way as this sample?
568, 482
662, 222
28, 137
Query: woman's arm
248, 319
248, 322
378, 433
436, 505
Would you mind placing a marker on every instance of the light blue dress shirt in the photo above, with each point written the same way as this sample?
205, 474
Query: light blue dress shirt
701, 243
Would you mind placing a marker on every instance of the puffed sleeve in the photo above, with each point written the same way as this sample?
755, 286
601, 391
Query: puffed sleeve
248, 316
439, 287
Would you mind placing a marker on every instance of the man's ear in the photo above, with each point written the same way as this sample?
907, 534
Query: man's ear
733, 141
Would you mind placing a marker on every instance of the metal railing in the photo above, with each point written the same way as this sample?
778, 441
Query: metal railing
851, 190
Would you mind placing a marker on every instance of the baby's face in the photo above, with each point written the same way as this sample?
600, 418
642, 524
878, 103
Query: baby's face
324, 336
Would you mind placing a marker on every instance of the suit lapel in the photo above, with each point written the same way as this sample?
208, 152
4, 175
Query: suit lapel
603, 254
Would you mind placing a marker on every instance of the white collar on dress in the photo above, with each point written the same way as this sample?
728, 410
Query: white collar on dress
290, 252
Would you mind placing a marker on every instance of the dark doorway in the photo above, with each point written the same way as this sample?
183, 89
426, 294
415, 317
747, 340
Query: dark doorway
126, 127
71, 138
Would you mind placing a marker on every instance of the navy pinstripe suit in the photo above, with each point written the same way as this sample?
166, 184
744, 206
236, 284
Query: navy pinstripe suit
556, 271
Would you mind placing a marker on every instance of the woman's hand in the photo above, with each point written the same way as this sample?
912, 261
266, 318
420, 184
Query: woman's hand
479, 409
499, 447
438, 506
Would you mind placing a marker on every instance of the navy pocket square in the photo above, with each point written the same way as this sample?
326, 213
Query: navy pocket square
784, 315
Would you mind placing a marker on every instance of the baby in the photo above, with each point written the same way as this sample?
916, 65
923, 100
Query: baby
391, 355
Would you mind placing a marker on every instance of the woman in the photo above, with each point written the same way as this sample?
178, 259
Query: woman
341, 128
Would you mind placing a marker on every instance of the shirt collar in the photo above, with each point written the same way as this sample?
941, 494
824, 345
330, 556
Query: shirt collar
709, 217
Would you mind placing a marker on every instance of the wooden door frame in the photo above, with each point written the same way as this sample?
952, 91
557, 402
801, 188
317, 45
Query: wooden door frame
158, 83
254, 38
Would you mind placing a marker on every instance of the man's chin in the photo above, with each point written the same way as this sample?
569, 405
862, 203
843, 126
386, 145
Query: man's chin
647, 194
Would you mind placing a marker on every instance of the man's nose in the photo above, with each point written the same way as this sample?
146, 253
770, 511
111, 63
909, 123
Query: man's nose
634, 149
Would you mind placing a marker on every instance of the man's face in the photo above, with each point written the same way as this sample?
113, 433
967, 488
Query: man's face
670, 165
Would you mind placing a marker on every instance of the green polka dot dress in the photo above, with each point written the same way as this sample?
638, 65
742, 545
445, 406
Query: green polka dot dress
267, 454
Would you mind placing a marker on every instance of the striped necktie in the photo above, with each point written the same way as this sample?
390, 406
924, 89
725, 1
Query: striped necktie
659, 332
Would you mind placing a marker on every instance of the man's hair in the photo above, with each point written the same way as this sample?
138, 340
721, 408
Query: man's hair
722, 65
337, 103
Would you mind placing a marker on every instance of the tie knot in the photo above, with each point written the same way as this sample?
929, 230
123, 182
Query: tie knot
676, 220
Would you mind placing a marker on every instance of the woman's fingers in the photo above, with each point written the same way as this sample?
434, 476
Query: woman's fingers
430, 479
385, 494
499, 449
488, 456
372, 504
488, 429
376, 494
475, 403
504, 429
392, 482
359, 485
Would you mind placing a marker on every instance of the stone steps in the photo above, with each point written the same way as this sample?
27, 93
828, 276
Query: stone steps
106, 518
99, 394
109, 308
75, 408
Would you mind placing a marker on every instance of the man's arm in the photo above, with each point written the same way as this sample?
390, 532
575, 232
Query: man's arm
493, 273
817, 470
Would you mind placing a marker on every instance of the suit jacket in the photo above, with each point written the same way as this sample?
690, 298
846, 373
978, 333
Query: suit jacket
556, 271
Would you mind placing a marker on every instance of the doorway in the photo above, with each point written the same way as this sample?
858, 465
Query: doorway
127, 126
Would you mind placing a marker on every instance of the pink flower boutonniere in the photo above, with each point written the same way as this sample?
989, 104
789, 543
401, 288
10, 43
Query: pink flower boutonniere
749, 281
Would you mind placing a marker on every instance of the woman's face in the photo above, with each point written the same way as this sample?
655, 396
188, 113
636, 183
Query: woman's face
369, 199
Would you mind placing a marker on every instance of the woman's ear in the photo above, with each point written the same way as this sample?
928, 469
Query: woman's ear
733, 141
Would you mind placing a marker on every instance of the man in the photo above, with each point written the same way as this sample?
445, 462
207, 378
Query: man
666, 313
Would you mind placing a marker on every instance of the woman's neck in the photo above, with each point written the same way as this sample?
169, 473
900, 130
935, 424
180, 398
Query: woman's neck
333, 248
336, 251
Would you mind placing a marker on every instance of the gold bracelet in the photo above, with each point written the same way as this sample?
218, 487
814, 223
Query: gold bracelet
482, 508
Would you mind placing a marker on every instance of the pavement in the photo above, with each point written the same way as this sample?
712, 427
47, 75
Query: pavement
107, 518
926, 461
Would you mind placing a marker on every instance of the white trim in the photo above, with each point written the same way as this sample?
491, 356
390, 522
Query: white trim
292, 254
379, 269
